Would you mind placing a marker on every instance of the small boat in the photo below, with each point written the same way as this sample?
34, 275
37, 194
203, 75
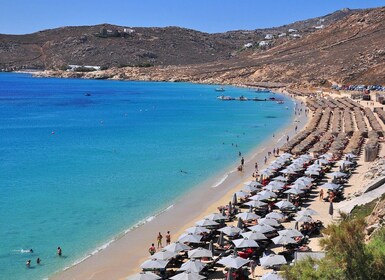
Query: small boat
242, 98
258, 99
220, 89
280, 102
225, 98
272, 98
262, 90
87, 94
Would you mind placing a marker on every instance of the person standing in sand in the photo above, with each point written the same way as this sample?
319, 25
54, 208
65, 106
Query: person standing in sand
242, 161
321, 194
159, 239
168, 238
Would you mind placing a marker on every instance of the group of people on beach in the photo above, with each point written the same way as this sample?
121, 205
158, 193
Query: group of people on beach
159, 239
38, 260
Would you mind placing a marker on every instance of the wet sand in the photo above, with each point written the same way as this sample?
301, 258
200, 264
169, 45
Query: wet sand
124, 256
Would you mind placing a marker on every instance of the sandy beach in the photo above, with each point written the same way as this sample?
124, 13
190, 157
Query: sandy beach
123, 257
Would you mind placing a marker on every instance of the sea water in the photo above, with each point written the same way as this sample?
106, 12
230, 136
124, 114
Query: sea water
81, 159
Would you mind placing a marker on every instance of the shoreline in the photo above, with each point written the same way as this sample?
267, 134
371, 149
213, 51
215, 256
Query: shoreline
114, 260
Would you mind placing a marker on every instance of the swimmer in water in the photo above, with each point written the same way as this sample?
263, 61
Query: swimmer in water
28, 263
30, 250
182, 171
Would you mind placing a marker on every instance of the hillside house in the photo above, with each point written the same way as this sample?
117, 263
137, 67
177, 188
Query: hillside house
263, 44
269, 37
291, 30
248, 45
282, 35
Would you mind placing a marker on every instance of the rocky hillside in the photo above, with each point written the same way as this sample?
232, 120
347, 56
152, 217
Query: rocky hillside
346, 47
114, 46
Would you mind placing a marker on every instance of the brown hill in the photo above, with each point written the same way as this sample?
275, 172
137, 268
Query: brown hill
349, 48
107, 45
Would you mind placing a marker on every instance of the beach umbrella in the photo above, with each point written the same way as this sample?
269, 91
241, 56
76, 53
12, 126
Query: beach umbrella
299, 185
253, 184
345, 163
221, 241
295, 191
274, 186
233, 261
326, 156
307, 180
249, 188
163, 255
288, 171
290, 232
192, 265
268, 193
262, 228
197, 230
304, 219
312, 172
200, 253
245, 243
260, 197
330, 186
241, 194
255, 203
254, 235
216, 217
283, 240
240, 223
323, 161
206, 223
271, 276
275, 215
307, 211
331, 209
230, 230
284, 204
235, 199
190, 238
247, 216
154, 264
269, 221
211, 247
280, 178
177, 247
272, 260
188, 275
266, 172
286, 155
145, 276
338, 174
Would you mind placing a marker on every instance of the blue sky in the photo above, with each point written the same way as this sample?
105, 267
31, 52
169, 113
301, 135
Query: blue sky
27, 16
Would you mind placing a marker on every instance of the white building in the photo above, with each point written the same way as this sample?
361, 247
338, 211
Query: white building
295, 36
248, 45
269, 37
319, 26
291, 30
263, 44
74, 67
282, 35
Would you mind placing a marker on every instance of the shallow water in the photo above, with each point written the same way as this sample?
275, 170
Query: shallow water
77, 170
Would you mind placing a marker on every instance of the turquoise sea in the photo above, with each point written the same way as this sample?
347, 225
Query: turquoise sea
75, 169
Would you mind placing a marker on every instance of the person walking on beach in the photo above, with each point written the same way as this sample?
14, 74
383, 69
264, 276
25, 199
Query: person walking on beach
168, 238
152, 249
59, 251
321, 194
256, 166
265, 159
242, 161
296, 128
159, 239
287, 138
